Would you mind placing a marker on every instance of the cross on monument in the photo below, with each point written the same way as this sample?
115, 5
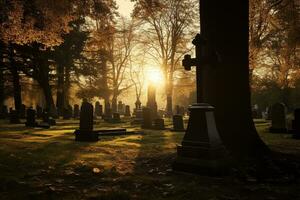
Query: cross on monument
201, 150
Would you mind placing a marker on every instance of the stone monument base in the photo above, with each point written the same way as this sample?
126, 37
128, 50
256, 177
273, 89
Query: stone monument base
202, 151
86, 136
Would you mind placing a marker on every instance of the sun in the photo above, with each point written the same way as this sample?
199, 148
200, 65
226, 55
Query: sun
155, 76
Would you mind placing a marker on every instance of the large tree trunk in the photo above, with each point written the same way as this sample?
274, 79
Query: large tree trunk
60, 90
43, 80
16, 80
67, 86
2, 95
226, 84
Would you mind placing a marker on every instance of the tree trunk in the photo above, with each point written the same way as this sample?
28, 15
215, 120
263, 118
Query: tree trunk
60, 90
2, 95
16, 80
114, 102
45, 85
226, 84
67, 86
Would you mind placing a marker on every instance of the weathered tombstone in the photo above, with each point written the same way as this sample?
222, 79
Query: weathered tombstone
98, 109
85, 132
127, 111
147, 118
201, 150
107, 115
159, 124
45, 116
39, 111
76, 111
296, 124
116, 118
178, 123
138, 116
278, 119
30, 118
121, 108
14, 117
68, 112
151, 101
22, 111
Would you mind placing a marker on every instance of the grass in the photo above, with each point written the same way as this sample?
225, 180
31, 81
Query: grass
48, 164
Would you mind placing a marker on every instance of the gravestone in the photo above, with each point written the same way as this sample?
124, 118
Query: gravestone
178, 123
68, 112
127, 111
85, 132
39, 111
23, 111
201, 150
278, 118
147, 118
121, 108
296, 124
76, 111
159, 124
14, 117
47, 119
116, 118
151, 101
30, 118
107, 114
98, 109
138, 116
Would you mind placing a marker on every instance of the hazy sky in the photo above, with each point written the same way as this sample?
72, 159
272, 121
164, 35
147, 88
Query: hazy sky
125, 7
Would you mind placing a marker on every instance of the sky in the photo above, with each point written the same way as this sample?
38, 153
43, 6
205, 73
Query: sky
125, 7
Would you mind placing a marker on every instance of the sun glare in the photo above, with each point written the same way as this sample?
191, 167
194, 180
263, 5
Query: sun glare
155, 77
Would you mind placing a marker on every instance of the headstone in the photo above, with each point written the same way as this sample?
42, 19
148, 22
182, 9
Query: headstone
47, 119
98, 109
121, 108
151, 102
23, 111
85, 132
127, 111
201, 150
107, 115
39, 111
76, 111
116, 118
296, 124
169, 111
278, 119
68, 112
147, 118
30, 118
178, 123
159, 124
138, 116
14, 117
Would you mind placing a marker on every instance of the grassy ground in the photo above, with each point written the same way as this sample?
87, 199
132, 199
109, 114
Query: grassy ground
47, 164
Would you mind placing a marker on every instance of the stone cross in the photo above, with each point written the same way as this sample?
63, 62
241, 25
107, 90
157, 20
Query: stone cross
203, 57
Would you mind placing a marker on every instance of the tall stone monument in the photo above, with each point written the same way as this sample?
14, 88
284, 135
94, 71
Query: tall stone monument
151, 101
201, 150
